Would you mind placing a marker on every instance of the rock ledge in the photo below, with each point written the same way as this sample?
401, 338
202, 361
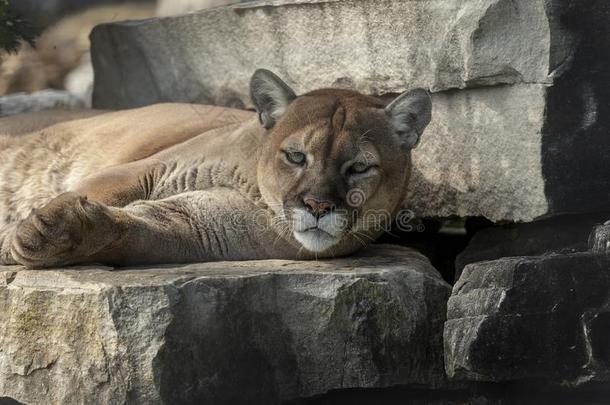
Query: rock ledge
278, 330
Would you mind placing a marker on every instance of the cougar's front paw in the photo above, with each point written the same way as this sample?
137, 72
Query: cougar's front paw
6, 240
65, 231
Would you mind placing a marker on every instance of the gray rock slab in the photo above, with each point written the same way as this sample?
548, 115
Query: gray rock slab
376, 47
543, 318
481, 155
220, 333
563, 234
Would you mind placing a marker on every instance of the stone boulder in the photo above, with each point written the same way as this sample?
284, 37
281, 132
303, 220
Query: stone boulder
221, 333
373, 46
562, 234
520, 85
538, 318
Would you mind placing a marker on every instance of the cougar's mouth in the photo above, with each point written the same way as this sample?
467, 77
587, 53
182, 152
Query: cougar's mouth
316, 235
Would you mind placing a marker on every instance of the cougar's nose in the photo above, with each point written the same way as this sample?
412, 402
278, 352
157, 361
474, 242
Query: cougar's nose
317, 207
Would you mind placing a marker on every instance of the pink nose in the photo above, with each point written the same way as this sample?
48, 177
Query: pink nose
318, 208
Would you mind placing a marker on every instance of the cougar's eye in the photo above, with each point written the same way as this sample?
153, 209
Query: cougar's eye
298, 158
359, 167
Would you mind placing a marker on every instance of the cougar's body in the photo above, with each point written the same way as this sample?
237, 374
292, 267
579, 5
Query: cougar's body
177, 183
119, 157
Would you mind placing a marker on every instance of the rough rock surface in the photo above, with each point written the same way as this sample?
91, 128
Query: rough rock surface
375, 46
563, 234
20, 103
543, 318
261, 332
480, 155
503, 147
599, 239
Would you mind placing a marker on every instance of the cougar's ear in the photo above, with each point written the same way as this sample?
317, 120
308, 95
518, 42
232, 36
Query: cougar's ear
409, 114
270, 96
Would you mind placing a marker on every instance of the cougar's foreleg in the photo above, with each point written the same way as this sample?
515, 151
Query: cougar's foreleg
120, 185
211, 225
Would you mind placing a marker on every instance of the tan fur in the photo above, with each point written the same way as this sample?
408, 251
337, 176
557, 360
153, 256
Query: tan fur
182, 183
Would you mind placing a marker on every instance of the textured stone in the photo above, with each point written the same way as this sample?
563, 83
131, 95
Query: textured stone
503, 148
563, 234
20, 103
375, 47
463, 165
220, 333
173, 7
544, 318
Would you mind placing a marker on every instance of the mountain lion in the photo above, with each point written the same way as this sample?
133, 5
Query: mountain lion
177, 183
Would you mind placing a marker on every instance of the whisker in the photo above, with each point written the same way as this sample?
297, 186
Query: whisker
357, 238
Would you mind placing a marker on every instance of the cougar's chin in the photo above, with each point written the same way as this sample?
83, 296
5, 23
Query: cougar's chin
316, 240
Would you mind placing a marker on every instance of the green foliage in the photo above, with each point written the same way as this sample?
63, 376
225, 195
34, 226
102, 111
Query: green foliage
14, 29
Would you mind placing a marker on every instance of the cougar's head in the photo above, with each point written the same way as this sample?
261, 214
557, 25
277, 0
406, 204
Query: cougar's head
332, 158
